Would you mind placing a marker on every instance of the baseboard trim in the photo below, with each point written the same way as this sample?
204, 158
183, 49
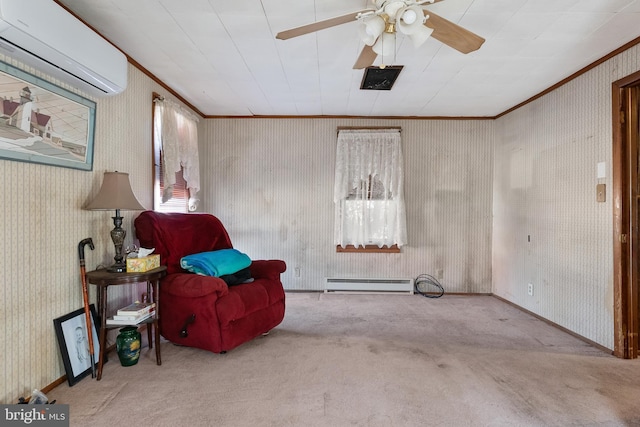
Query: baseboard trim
555, 325
54, 384
46, 389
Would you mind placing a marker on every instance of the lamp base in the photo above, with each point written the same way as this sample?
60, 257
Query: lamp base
117, 268
117, 235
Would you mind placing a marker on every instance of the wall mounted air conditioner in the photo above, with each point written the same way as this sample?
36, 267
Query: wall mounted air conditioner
42, 34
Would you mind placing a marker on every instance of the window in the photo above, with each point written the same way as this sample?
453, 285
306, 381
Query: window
179, 201
175, 157
369, 191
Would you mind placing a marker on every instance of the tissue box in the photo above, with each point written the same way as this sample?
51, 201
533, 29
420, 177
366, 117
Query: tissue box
140, 265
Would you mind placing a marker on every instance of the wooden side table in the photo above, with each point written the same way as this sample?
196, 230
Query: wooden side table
103, 279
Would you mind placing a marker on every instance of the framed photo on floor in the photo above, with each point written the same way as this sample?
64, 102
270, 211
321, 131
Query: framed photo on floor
71, 331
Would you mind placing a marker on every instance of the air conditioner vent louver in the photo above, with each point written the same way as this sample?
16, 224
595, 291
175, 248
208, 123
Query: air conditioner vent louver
34, 60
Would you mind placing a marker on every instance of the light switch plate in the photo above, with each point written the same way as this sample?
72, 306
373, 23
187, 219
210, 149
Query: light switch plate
601, 192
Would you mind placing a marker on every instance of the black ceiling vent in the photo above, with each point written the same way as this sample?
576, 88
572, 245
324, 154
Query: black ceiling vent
376, 78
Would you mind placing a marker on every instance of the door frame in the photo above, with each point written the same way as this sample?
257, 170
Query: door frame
626, 249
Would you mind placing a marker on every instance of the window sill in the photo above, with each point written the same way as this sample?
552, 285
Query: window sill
368, 249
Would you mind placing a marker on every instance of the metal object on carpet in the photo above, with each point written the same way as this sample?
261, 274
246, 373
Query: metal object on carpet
424, 281
183, 332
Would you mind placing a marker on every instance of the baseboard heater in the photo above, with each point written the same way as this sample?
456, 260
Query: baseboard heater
370, 285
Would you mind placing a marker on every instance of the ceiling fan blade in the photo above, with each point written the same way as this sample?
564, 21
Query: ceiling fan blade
320, 25
451, 34
366, 58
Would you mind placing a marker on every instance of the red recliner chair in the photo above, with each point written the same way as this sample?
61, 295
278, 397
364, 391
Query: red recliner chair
202, 311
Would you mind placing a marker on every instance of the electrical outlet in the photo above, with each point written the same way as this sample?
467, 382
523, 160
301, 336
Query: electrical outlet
530, 289
439, 273
297, 271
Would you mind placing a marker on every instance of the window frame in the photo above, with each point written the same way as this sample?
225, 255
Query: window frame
369, 185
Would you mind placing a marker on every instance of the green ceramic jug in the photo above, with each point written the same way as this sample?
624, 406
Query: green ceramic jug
128, 345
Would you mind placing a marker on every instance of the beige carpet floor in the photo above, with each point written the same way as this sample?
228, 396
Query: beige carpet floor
373, 360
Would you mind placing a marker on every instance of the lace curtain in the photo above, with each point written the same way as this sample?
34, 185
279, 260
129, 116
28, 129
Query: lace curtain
177, 130
369, 189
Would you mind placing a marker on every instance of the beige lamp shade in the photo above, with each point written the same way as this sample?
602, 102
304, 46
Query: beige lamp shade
115, 193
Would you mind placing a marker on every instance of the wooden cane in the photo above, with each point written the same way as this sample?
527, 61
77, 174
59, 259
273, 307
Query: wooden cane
85, 297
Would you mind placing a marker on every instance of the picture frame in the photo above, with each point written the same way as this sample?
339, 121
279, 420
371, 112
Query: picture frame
44, 123
74, 347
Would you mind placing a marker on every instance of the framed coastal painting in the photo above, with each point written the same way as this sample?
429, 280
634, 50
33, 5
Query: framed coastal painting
71, 331
44, 123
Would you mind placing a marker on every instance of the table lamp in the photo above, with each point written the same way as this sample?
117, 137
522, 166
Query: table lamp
116, 193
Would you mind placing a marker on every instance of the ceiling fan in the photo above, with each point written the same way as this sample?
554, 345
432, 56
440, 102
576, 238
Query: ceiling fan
378, 29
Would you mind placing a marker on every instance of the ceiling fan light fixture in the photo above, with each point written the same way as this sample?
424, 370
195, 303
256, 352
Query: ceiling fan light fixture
411, 20
420, 36
371, 28
382, 44
385, 46
393, 9
378, 30
409, 16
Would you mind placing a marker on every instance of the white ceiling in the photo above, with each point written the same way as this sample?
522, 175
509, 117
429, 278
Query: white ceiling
223, 58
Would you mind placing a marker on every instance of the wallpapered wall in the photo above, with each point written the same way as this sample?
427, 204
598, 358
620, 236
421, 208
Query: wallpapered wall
42, 224
546, 156
271, 183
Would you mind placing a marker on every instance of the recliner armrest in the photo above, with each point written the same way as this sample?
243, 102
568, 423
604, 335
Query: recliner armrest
192, 285
267, 269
